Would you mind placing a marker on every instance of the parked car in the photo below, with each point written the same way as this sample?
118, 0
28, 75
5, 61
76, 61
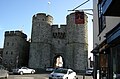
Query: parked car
89, 71
23, 70
49, 69
3, 72
62, 73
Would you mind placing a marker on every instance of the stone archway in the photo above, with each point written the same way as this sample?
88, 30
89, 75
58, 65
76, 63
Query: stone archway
58, 61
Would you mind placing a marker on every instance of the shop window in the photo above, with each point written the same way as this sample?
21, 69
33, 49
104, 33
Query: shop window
116, 59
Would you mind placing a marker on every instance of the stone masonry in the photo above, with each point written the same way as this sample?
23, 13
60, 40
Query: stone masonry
16, 49
49, 41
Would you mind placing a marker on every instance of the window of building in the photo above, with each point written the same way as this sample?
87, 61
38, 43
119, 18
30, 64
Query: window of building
115, 59
63, 35
7, 43
6, 52
12, 44
11, 62
58, 41
54, 35
101, 18
43, 19
11, 53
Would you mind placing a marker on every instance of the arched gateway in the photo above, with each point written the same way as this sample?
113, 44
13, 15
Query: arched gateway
58, 61
51, 44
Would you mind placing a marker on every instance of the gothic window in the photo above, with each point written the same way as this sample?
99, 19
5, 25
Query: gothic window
63, 35
54, 35
59, 34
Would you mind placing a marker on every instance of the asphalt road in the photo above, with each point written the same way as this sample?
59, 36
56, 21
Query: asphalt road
40, 76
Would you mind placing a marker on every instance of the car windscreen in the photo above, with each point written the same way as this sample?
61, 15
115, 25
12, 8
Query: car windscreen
64, 71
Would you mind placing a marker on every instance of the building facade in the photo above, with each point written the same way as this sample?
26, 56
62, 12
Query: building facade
106, 38
49, 41
16, 49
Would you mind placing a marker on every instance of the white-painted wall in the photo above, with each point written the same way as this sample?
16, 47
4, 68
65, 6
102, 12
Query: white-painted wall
111, 22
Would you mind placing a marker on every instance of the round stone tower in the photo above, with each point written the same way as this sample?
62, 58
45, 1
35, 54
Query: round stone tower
40, 41
77, 43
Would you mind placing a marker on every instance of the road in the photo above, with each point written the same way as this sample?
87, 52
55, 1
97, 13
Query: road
40, 76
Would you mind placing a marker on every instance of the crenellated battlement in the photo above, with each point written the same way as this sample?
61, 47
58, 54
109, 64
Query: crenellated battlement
42, 17
16, 33
68, 40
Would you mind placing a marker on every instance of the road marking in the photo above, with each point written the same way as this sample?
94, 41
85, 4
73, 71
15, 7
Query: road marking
23, 77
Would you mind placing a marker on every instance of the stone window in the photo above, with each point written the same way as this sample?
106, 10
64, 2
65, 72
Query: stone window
55, 35
12, 44
7, 52
7, 43
43, 20
11, 53
58, 41
11, 61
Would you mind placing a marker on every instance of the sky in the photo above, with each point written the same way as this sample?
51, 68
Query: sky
17, 15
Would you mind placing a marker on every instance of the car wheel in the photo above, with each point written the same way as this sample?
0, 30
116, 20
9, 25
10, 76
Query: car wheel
6, 76
66, 78
21, 73
75, 77
32, 72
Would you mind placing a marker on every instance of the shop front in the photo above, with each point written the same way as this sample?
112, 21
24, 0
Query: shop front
113, 41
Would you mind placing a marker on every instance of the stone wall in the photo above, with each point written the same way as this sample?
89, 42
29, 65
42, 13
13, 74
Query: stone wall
49, 41
16, 49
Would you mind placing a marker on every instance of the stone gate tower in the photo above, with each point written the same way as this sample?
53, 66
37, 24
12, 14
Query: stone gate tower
49, 41
77, 41
40, 41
